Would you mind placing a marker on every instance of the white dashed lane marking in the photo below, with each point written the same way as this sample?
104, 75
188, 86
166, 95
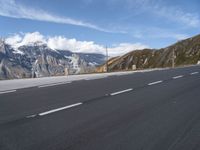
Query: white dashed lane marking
193, 73
31, 116
4, 92
157, 82
177, 77
59, 109
120, 92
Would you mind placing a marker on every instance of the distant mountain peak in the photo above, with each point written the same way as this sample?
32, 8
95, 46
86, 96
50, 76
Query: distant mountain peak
36, 59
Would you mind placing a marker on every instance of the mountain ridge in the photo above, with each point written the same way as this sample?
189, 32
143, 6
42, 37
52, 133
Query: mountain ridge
186, 52
38, 60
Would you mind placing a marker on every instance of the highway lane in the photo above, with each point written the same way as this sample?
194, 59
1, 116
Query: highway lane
40, 99
154, 116
27, 102
130, 120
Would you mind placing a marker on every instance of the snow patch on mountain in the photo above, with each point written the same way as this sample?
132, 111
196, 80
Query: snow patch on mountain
36, 59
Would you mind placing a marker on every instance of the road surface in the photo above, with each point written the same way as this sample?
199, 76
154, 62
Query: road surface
158, 110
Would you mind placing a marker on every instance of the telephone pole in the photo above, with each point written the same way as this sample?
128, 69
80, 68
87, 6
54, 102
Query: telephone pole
2, 39
173, 59
106, 59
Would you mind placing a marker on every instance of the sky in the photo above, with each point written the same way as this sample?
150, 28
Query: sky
91, 25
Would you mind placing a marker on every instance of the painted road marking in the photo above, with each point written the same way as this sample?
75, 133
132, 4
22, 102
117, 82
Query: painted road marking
157, 82
177, 77
120, 92
95, 78
31, 116
193, 73
59, 109
53, 84
11, 91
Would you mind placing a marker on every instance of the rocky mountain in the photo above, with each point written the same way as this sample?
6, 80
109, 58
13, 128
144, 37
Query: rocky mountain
185, 52
38, 60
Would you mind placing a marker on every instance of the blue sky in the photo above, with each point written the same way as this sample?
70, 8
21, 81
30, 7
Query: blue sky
116, 23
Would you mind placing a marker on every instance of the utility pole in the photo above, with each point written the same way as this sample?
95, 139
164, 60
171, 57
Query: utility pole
173, 59
2, 39
106, 59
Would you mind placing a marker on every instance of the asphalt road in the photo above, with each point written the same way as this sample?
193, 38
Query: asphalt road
158, 110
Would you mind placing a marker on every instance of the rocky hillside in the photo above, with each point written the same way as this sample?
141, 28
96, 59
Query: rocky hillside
186, 52
38, 60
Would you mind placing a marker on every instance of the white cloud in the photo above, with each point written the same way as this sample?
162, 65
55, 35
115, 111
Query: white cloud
165, 34
159, 33
32, 38
59, 42
178, 15
123, 48
9, 8
63, 43
18, 40
13, 40
180, 36
160, 8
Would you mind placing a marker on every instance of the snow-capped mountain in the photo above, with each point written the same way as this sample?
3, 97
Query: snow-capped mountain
38, 60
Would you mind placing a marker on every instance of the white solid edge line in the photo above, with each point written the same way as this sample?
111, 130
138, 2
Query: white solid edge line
176, 77
59, 109
3, 92
53, 84
95, 78
193, 73
120, 92
157, 82
120, 74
